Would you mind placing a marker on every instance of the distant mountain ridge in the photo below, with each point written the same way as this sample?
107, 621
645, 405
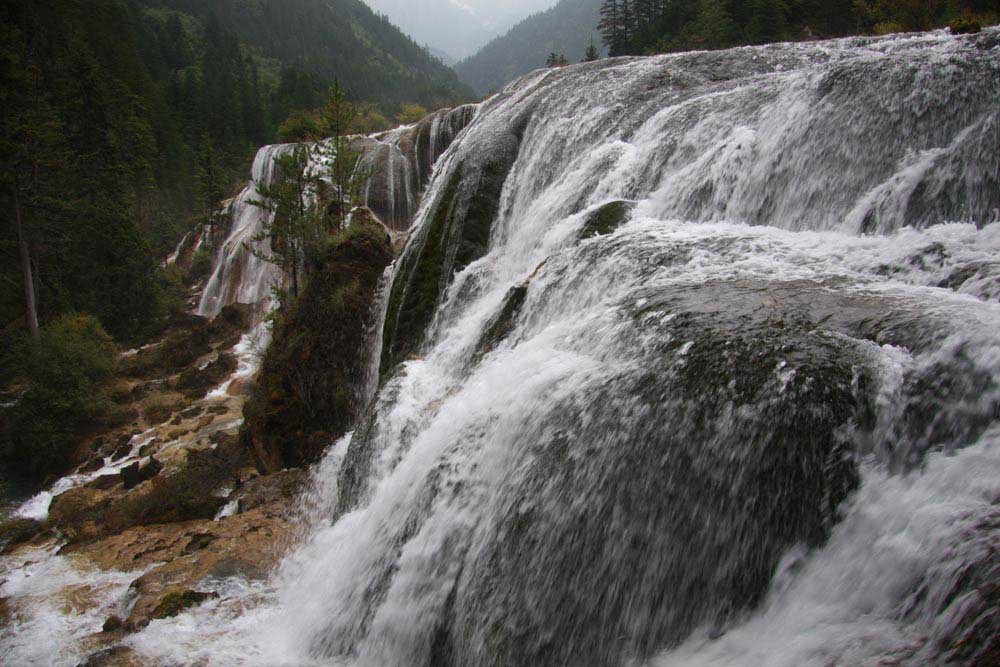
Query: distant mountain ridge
456, 27
567, 28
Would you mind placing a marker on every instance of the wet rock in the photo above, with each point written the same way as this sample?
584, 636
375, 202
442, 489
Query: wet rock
178, 350
6, 612
175, 602
135, 474
231, 321
192, 412
455, 234
113, 624
106, 481
503, 322
86, 513
195, 383
407, 156
116, 656
964, 592
93, 465
18, 531
148, 448
606, 219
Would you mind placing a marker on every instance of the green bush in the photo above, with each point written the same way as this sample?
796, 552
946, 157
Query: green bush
965, 25
201, 266
58, 385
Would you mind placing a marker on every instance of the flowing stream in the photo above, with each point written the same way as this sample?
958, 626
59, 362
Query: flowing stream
709, 377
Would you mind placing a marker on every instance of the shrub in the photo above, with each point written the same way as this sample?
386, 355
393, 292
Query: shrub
965, 25
59, 382
200, 267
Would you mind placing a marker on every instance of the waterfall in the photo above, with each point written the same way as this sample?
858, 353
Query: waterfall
239, 275
592, 448
396, 166
689, 360
398, 163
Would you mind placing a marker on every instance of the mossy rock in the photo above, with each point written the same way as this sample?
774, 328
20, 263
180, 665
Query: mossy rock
309, 389
456, 234
196, 382
174, 602
85, 513
178, 350
965, 25
503, 322
606, 219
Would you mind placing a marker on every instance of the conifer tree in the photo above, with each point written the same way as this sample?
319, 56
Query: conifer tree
767, 21
614, 26
339, 117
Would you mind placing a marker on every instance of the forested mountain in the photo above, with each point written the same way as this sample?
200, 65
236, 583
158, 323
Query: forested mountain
566, 28
456, 28
122, 120
637, 27
328, 39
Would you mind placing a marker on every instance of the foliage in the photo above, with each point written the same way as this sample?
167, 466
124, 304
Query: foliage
200, 266
123, 122
556, 60
635, 27
301, 125
58, 379
369, 119
411, 113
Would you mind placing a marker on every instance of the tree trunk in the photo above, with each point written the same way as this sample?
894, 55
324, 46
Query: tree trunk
30, 307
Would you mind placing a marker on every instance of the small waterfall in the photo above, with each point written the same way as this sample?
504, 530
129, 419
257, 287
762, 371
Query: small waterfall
399, 163
240, 276
396, 166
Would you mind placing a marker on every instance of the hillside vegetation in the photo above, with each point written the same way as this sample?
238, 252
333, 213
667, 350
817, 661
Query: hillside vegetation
567, 28
125, 121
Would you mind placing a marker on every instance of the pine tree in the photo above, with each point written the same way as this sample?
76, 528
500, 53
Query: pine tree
339, 117
767, 21
714, 28
209, 178
291, 219
30, 141
592, 53
615, 26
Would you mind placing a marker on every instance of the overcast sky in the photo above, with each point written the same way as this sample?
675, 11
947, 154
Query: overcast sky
457, 27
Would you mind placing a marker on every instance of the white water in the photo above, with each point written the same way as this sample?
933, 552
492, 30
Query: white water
37, 507
58, 604
842, 604
239, 275
754, 171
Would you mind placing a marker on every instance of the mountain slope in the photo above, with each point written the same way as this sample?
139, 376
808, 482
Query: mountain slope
329, 39
566, 28
456, 28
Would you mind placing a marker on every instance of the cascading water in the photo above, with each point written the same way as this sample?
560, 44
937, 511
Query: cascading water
239, 275
396, 166
599, 448
689, 360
